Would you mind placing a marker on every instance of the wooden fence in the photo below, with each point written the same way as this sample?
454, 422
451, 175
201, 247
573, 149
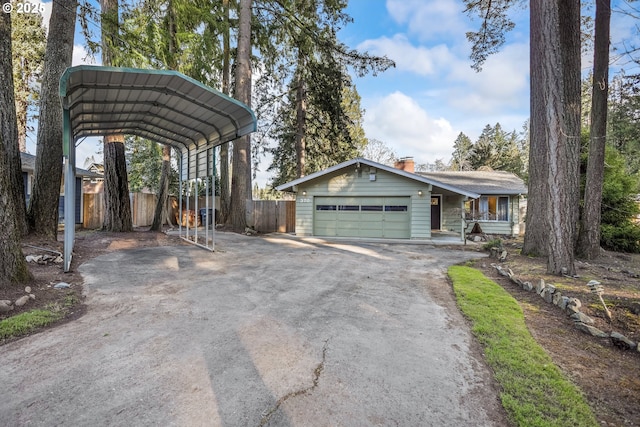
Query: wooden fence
269, 216
143, 207
266, 216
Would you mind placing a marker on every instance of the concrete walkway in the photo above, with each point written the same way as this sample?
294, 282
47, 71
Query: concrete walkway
265, 331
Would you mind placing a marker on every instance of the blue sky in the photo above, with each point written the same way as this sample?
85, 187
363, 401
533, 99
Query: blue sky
419, 107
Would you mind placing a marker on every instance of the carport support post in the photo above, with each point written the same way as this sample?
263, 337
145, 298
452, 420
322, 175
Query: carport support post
69, 152
180, 198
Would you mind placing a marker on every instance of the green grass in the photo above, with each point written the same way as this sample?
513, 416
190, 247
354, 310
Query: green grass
534, 391
29, 321
26, 322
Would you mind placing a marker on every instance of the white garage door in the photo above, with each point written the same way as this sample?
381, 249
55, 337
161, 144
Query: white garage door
384, 217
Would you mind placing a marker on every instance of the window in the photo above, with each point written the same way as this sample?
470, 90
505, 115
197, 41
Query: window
326, 207
348, 207
488, 208
392, 208
371, 208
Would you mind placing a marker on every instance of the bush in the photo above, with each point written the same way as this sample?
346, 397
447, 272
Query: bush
495, 243
620, 238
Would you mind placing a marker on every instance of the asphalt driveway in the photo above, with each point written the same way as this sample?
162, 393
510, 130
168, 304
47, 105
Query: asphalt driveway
269, 330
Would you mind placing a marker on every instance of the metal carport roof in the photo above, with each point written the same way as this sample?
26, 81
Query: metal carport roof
161, 105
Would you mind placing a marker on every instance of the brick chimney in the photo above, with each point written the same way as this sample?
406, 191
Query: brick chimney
406, 164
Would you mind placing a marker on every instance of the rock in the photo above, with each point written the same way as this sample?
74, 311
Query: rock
582, 318
517, 281
32, 296
58, 260
22, 300
563, 302
33, 258
575, 303
556, 298
503, 256
540, 286
477, 239
4, 307
622, 342
62, 285
592, 330
550, 288
27, 289
527, 286
547, 295
503, 272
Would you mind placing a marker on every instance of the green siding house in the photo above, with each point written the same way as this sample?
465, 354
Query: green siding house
362, 198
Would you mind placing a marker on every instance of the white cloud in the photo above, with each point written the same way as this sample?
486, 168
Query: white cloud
402, 124
429, 19
502, 83
81, 56
420, 60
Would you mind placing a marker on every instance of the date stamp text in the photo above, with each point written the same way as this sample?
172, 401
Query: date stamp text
23, 7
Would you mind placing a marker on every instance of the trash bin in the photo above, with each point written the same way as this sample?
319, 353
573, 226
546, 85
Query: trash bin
203, 216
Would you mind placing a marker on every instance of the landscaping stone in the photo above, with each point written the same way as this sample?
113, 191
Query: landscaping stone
622, 342
574, 303
581, 317
32, 296
62, 285
592, 330
33, 258
563, 302
557, 298
503, 256
22, 300
540, 286
547, 295
5, 306
527, 286
517, 281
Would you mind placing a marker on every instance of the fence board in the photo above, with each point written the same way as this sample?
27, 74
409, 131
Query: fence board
268, 216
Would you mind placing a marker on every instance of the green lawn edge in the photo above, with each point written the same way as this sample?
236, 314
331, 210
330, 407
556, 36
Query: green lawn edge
534, 390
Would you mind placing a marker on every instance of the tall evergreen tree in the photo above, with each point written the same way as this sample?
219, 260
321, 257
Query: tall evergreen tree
29, 40
43, 206
13, 267
460, 159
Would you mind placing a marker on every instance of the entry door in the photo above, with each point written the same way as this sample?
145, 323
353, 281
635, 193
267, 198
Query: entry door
436, 205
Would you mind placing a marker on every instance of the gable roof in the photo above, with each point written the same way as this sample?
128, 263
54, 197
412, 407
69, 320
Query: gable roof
361, 160
29, 165
482, 182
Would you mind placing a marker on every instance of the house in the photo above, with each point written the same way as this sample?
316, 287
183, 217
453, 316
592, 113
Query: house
28, 168
362, 198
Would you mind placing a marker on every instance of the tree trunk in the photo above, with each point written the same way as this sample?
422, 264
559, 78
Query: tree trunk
589, 242
13, 267
224, 148
241, 172
563, 108
537, 230
555, 133
9, 131
43, 207
117, 208
160, 215
301, 117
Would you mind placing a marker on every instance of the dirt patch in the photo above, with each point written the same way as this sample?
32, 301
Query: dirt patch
47, 272
609, 376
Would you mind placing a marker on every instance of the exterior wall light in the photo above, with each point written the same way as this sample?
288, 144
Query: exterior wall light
420, 193
304, 192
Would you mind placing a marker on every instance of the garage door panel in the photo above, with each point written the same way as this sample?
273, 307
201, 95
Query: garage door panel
378, 217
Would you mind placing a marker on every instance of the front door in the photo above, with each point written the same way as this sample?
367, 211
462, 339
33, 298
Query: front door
436, 202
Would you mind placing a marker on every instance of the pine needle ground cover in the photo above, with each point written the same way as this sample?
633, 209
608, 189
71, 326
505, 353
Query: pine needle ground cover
534, 390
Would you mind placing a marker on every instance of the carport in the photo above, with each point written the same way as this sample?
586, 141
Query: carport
163, 106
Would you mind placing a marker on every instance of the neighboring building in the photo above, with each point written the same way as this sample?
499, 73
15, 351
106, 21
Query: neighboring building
28, 168
362, 198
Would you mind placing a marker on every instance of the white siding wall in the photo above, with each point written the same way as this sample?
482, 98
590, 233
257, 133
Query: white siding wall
347, 182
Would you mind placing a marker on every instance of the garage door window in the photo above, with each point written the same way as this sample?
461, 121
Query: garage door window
326, 207
349, 208
371, 208
395, 208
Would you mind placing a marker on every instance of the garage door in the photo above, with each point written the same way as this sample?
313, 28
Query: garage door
385, 217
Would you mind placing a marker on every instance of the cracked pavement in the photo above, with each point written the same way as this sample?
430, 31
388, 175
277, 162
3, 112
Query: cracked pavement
266, 331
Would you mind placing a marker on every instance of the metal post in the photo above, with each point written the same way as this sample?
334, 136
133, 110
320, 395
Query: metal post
69, 188
180, 197
195, 217
206, 216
